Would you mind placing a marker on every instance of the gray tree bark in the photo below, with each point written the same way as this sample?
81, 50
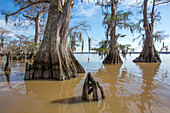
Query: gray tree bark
37, 27
55, 58
113, 57
2, 44
149, 53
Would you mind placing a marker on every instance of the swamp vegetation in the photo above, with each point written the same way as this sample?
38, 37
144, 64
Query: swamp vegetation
31, 69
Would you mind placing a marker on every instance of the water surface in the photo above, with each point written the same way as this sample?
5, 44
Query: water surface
129, 88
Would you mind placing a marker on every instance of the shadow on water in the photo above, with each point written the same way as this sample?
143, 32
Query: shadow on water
71, 100
108, 77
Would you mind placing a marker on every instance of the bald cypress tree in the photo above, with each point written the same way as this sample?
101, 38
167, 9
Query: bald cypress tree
115, 18
55, 58
149, 53
113, 57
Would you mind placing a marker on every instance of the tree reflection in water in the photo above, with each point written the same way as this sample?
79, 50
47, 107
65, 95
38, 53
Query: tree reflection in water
108, 78
2, 63
127, 92
2, 66
148, 73
7, 74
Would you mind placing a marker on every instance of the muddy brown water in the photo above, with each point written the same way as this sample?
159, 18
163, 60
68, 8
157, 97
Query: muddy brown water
129, 88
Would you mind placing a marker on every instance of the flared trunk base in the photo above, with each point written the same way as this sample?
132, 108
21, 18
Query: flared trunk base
148, 54
113, 58
53, 67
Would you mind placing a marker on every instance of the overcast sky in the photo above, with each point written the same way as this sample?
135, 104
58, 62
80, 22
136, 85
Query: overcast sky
93, 15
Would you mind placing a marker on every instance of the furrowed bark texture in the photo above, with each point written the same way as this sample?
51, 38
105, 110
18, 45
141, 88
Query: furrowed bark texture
113, 57
55, 58
149, 53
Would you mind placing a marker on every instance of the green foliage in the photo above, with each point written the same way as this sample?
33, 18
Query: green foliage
122, 22
159, 36
12, 46
22, 43
100, 49
3, 37
153, 17
32, 47
104, 48
76, 35
29, 11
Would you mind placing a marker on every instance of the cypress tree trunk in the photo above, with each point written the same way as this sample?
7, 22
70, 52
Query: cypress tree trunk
55, 58
149, 53
20, 45
2, 44
37, 27
113, 57
1, 49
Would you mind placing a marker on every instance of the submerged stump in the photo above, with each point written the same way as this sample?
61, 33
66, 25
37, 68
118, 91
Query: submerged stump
90, 85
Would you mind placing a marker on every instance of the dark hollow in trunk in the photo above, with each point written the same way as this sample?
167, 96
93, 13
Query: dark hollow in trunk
90, 85
7, 65
55, 58
149, 53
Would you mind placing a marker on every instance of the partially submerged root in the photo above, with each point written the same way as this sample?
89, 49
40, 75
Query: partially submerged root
90, 85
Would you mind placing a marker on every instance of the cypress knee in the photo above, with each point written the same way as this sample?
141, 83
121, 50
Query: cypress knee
90, 86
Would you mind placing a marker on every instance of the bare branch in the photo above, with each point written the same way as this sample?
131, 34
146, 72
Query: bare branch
31, 18
163, 3
33, 3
